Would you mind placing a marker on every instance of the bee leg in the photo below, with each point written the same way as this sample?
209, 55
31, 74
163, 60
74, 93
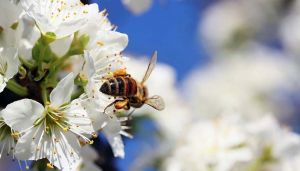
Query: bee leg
109, 106
121, 104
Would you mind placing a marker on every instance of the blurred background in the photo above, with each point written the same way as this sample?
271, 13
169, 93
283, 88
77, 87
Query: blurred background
217, 58
228, 71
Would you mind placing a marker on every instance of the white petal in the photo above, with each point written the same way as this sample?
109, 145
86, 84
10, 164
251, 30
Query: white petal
89, 67
3, 81
117, 145
113, 126
75, 23
88, 153
29, 31
96, 105
21, 114
88, 166
97, 21
67, 148
62, 93
60, 148
112, 132
25, 49
31, 145
106, 61
111, 40
11, 11
79, 119
61, 46
98, 118
10, 56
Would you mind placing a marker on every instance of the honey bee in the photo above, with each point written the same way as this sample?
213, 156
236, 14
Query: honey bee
129, 92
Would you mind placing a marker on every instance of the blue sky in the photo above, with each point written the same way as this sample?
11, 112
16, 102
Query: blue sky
169, 26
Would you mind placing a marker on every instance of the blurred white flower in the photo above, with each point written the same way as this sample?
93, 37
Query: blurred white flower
248, 82
232, 144
215, 145
50, 132
62, 18
137, 6
232, 24
223, 25
89, 155
9, 65
267, 136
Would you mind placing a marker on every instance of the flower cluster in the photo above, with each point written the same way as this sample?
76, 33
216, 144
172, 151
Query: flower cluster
229, 144
54, 56
239, 112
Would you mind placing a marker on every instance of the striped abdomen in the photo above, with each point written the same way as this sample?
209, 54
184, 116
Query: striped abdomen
119, 86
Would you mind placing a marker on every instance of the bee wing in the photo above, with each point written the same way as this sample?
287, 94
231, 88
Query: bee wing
156, 102
150, 66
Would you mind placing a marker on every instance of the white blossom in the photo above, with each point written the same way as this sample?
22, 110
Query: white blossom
216, 145
266, 133
231, 144
233, 24
249, 82
62, 18
50, 132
